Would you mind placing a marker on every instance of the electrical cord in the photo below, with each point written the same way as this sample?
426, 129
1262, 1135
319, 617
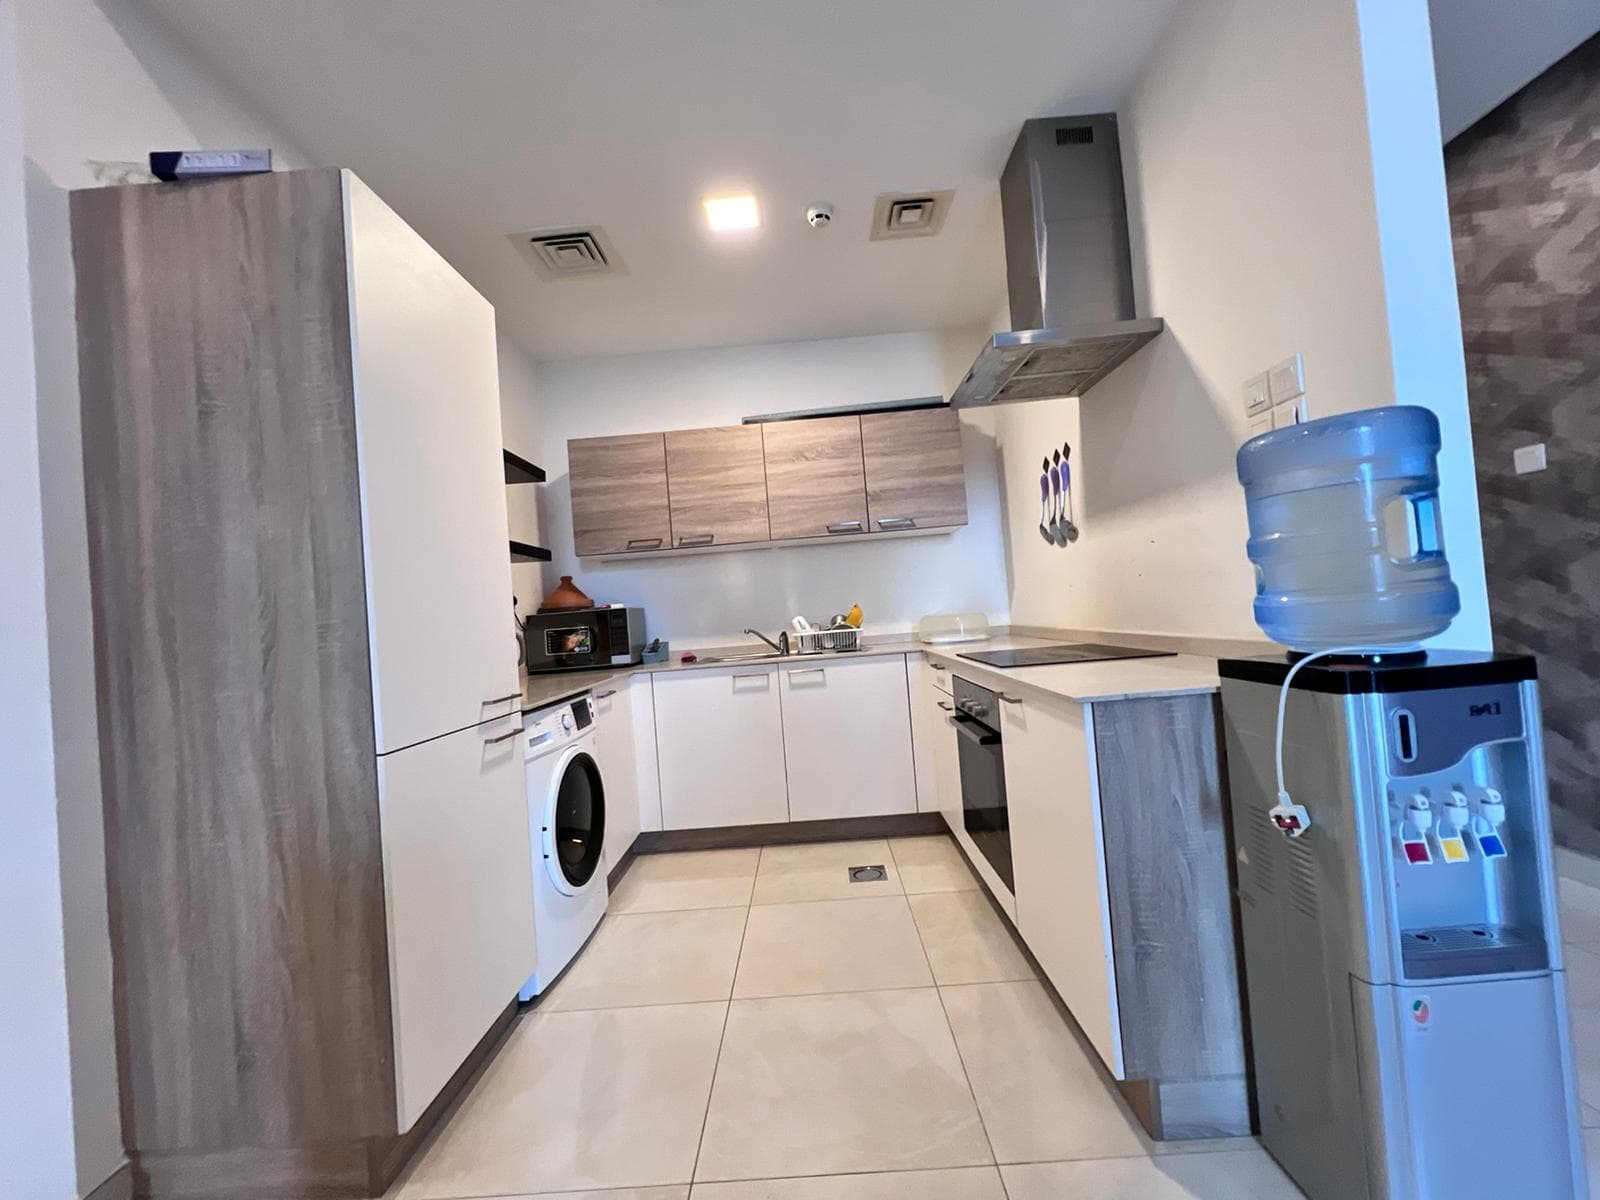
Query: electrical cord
1294, 819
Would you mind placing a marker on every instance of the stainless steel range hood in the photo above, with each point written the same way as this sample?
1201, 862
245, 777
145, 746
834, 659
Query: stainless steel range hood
1068, 268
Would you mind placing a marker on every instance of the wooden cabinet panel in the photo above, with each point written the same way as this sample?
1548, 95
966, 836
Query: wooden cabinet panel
459, 878
718, 484
432, 490
244, 882
816, 484
915, 478
719, 737
1058, 858
619, 493
847, 738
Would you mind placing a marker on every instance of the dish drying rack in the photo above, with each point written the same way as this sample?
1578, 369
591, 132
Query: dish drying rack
815, 641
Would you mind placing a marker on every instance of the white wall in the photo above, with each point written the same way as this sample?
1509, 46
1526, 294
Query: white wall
703, 598
1488, 49
98, 87
36, 1127
1257, 234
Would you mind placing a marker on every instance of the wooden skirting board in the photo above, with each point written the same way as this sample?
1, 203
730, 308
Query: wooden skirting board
839, 829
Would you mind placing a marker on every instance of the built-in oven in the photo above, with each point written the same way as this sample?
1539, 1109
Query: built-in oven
983, 775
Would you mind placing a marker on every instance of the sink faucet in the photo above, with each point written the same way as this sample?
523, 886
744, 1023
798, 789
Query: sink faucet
781, 645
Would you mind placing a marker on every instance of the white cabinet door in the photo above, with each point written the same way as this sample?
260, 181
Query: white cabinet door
925, 729
458, 882
847, 738
647, 775
1058, 859
719, 738
619, 768
433, 503
939, 709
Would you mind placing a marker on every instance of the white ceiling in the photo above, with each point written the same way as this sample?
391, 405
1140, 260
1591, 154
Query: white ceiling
477, 120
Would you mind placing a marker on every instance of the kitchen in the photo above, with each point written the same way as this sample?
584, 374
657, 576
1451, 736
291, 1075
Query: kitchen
745, 842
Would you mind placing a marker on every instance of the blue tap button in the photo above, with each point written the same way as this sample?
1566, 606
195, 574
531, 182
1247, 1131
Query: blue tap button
1491, 845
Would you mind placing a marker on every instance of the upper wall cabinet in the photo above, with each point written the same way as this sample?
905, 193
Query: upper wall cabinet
816, 485
718, 486
781, 481
913, 467
619, 494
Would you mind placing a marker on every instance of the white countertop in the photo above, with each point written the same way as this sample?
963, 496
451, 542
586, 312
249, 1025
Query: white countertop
1118, 679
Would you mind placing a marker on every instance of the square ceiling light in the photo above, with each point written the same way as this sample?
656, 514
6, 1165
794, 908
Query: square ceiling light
725, 213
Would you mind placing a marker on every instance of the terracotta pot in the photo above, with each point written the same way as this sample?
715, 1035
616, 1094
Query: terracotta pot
565, 597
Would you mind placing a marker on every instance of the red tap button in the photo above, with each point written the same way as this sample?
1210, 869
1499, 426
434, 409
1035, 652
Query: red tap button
1417, 853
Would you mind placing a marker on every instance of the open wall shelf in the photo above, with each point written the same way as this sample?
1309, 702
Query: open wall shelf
522, 552
520, 470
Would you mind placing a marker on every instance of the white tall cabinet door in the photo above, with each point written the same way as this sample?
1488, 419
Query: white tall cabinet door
458, 882
619, 767
433, 506
1058, 859
847, 738
924, 732
647, 774
719, 739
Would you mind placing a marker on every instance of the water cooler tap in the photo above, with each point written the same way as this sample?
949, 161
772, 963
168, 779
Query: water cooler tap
1487, 824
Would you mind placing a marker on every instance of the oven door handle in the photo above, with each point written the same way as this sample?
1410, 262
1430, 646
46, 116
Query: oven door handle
975, 730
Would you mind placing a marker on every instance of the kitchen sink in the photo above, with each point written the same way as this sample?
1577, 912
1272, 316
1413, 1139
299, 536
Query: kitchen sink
738, 658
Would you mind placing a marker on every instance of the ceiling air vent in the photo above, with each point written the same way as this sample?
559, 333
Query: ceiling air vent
575, 253
909, 214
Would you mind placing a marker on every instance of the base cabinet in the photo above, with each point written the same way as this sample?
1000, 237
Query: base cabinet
625, 748
459, 884
1063, 912
719, 738
847, 738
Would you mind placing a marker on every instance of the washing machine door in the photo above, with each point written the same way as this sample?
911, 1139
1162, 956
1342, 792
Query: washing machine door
574, 821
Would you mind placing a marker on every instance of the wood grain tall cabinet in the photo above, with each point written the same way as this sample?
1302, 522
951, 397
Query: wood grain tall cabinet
319, 879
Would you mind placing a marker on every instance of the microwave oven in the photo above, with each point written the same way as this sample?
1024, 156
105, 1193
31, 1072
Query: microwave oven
584, 638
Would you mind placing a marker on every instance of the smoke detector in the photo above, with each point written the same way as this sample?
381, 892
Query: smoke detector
575, 252
909, 214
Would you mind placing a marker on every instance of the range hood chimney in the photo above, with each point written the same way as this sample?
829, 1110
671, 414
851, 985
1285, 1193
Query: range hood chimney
1068, 267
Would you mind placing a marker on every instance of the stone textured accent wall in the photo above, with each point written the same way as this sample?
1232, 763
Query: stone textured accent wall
1525, 209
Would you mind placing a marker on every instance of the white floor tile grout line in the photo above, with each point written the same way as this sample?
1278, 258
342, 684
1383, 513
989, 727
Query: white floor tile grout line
956, 1042
716, 1063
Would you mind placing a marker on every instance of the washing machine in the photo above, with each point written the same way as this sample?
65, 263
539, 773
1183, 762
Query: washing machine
566, 828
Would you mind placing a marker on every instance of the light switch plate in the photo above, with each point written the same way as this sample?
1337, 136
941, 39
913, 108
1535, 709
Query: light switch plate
1528, 459
1292, 412
1258, 424
1257, 395
1287, 379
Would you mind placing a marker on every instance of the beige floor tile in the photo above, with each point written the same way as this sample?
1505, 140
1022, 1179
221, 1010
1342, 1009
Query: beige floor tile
695, 879
1230, 1175
960, 1183
677, 1191
1040, 1095
1583, 1003
818, 872
965, 941
654, 958
868, 1081
830, 946
931, 864
581, 1100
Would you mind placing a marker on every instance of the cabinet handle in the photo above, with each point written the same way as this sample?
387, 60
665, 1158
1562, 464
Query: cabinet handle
949, 708
937, 666
793, 671
897, 522
504, 737
605, 695
845, 527
503, 699
697, 539
644, 543
764, 677
1010, 699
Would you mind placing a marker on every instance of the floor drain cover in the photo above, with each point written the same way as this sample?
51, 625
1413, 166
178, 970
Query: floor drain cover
873, 874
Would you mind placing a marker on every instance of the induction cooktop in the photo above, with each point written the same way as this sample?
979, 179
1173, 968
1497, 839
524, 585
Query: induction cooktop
1049, 656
